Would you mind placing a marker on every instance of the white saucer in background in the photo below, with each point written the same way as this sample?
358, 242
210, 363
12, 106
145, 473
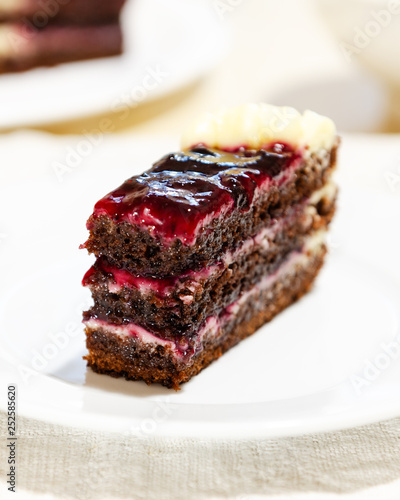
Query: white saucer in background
160, 38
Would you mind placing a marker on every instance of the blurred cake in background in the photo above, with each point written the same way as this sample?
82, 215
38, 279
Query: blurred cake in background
45, 33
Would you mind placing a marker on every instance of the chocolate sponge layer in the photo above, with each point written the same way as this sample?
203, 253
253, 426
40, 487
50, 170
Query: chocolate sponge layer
134, 249
133, 359
188, 304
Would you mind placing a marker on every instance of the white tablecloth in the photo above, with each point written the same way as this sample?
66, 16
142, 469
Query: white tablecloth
86, 465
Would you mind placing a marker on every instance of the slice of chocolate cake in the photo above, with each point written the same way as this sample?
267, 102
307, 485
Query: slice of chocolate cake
21, 50
210, 243
35, 33
41, 12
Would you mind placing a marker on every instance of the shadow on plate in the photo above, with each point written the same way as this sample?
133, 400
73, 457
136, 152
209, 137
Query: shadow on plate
122, 386
76, 372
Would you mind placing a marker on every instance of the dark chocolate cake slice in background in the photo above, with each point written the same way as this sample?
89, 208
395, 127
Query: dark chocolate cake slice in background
41, 12
210, 243
34, 33
56, 44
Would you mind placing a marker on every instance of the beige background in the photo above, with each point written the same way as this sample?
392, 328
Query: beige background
279, 52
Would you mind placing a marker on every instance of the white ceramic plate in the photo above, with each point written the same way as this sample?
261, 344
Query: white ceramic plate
159, 39
328, 362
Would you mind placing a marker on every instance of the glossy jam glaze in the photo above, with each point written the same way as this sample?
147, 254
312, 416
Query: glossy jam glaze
184, 191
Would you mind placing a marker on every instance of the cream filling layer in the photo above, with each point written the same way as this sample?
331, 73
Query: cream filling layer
256, 126
214, 324
191, 280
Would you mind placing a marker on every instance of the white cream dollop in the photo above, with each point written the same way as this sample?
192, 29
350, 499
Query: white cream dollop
258, 125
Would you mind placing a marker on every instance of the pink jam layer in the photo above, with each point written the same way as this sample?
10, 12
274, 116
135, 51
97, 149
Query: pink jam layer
180, 348
164, 287
184, 191
213, 325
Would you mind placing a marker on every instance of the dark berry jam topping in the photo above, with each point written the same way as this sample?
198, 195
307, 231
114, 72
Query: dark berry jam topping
183, 191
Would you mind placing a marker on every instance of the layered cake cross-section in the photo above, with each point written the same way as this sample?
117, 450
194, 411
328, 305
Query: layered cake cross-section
202, 249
